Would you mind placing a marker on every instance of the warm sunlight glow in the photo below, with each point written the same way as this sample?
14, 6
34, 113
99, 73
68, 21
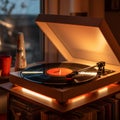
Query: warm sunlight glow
0, 41
7, 25
37, 94
78, 98
103, 90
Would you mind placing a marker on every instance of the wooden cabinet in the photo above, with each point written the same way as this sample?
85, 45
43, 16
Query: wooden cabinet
19, 109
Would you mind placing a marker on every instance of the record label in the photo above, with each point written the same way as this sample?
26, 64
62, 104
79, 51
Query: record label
59, 71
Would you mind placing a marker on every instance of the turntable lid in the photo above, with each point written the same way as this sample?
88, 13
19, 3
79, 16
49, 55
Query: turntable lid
81, 37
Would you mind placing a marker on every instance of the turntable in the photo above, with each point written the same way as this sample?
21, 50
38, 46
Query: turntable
92, 58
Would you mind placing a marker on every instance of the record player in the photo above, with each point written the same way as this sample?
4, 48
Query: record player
91, 52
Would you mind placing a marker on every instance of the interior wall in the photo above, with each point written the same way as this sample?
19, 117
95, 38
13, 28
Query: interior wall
51, 53
113, 20
96, 8
64, 7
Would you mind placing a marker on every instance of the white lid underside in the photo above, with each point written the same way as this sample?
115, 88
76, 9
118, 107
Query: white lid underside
92, 43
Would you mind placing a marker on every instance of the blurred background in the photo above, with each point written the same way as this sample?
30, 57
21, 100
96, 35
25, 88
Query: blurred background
20, 17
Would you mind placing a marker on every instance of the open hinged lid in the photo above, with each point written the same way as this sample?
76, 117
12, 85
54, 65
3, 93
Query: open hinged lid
81, 38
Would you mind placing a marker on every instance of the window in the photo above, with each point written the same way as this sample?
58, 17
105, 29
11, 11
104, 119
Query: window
19, 16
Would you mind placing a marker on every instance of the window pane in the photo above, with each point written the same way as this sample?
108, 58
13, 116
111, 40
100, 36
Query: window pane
19, 16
